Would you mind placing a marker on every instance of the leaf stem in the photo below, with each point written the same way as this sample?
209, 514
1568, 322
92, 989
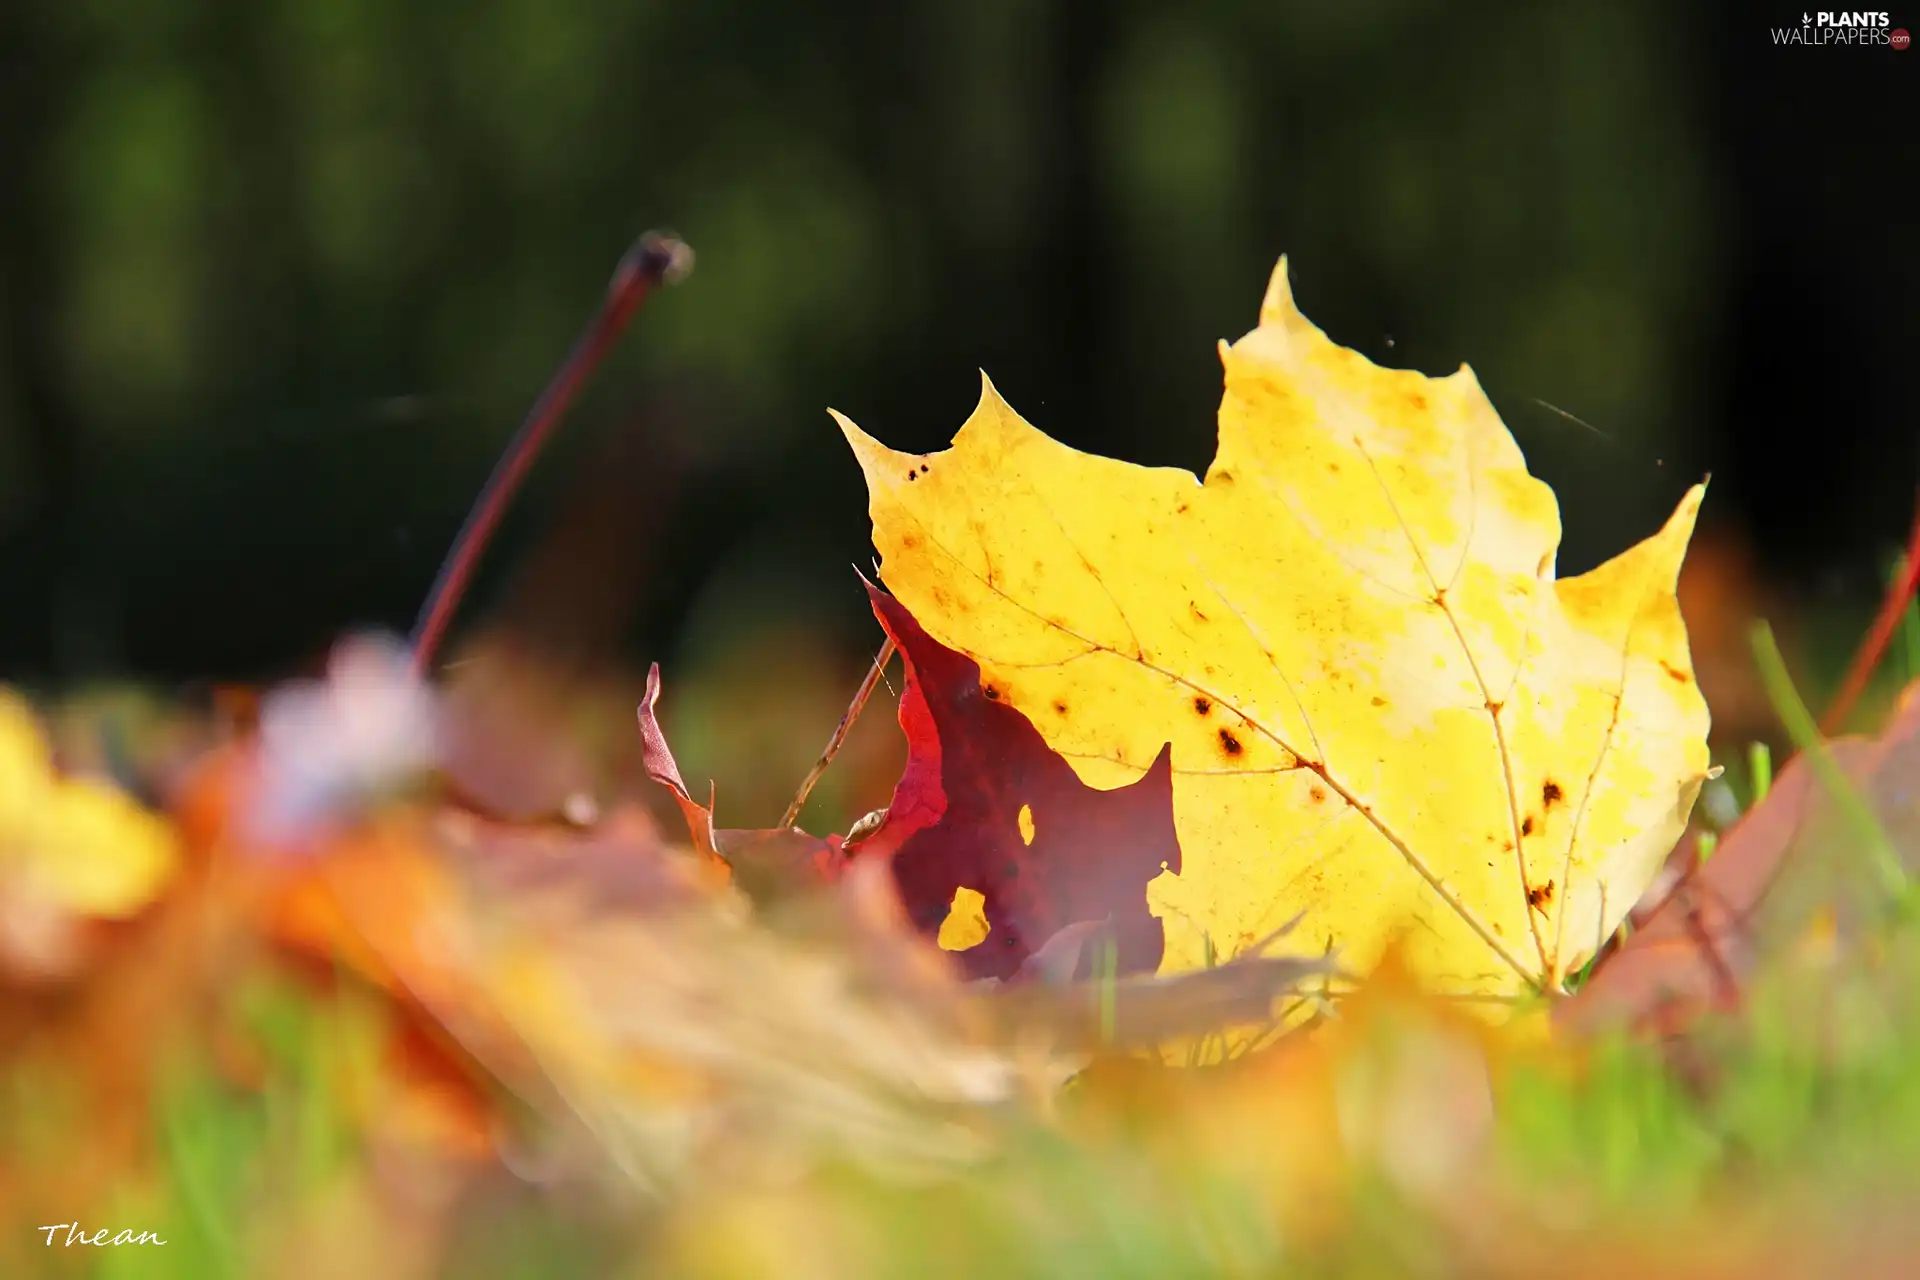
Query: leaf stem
654, 259
839, 737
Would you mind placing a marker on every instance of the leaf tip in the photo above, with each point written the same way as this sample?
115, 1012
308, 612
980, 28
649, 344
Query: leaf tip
855, 436
1680, 524
874, 458
991, 400
1278, 306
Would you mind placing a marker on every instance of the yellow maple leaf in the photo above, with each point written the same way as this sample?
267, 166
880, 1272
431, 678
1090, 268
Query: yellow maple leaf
1386, 711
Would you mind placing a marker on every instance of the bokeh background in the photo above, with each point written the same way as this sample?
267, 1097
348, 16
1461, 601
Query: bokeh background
278, 279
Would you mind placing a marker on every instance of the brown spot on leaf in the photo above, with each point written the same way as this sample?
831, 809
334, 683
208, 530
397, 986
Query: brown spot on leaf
1224, 477
923, 468
913, 475
1379, 701
1229, 743
1493, 708
1417, 401
1673, 673
1196, 611
1440, 597
1526, 825
1539, 895
1550, 794
1059, 707
1202, 705
1317, 794
992, 692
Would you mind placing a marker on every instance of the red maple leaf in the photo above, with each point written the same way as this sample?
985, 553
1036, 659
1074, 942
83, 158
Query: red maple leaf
974, 766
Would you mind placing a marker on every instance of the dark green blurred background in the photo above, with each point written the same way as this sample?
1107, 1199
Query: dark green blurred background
278, 278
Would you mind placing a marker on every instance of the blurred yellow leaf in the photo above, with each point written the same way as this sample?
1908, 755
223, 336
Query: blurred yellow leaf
71, 845
25, 760
1386, 711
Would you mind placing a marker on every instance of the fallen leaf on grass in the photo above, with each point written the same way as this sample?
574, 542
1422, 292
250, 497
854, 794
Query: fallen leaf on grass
412, 900
1788, 872
682, 1040
1383, 705
669, 1033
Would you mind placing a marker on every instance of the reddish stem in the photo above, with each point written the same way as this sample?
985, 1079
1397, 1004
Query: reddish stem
839, 737
654, 258
1874, 647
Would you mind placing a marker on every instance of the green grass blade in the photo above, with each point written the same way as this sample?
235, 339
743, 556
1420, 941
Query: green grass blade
1760, 770
1806, 736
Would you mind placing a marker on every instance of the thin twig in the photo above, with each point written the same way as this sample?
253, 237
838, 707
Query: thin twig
840, 732
656, 258
1899, 591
